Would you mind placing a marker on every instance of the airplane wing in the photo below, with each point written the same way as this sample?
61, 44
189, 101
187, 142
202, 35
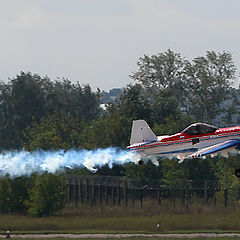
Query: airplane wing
224, 148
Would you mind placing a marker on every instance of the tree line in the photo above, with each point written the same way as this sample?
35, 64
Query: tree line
168, 91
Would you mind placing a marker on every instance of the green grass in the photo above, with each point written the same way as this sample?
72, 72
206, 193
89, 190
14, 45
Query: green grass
107, 219
167, 223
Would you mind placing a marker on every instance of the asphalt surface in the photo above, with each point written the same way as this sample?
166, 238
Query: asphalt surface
111, 236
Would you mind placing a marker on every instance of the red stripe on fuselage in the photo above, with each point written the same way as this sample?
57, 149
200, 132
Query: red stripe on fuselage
175, 139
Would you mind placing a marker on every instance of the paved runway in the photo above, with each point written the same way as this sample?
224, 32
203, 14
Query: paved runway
126, 235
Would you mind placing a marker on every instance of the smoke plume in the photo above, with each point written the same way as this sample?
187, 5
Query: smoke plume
18, 163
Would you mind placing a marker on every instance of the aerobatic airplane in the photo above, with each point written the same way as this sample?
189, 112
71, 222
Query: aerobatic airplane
197, 140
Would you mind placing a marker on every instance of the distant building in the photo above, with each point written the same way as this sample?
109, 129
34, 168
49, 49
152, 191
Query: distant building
112, 96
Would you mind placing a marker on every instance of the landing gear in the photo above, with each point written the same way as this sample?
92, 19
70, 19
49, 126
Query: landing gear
140, 162
237, 172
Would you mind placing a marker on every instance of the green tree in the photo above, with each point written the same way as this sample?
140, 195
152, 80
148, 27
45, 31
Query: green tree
29, 97
160, 71
206, 84
13, 194
133, 103
172, 125
115, 170
57, 131
74, 98
146, 173
160, 77
224, 172
110, 130
21, 100
172, 85
172, 170
19, 193
46, 196
5, 195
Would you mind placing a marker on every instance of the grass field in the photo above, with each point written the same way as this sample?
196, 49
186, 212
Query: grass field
192, 222
107, 219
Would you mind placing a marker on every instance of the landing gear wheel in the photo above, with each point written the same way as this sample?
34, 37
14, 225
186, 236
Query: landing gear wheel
237, 172
140, 162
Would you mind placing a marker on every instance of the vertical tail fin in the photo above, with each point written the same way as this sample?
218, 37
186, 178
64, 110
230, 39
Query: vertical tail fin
141, 132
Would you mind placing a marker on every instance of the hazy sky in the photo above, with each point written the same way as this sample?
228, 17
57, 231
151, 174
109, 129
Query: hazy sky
100, 41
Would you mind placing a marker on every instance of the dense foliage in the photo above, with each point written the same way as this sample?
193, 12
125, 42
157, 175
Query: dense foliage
46, 197
29, 98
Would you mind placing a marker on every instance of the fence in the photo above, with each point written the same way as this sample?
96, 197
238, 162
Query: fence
120, 191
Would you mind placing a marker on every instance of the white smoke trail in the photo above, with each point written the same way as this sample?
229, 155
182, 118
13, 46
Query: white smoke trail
18, 163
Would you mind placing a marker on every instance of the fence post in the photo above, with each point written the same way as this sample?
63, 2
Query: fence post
80, 190
133, 197
112, 193
206, 192
100, 191
186, 196
106, 193
125, 192
183, 193
141, 197
214, 200
93, 193
159, 193
75, 191
118, 194
225, 197
63, 184
69, 190
87, 191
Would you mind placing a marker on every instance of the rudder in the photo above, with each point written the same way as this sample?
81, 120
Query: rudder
141, 132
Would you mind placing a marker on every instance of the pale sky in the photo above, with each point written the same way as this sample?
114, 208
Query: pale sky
100, 41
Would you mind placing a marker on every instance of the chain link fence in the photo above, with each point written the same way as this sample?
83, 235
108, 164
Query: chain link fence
121, 191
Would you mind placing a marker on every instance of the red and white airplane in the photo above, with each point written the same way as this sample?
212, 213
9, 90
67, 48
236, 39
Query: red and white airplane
197, 140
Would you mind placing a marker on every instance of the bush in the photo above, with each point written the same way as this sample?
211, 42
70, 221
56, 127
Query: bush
13, 194
46, 196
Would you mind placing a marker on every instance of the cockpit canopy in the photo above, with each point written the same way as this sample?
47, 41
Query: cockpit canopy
199, 128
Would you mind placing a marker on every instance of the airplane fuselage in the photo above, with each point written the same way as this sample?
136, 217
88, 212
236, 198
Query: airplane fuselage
182, 144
